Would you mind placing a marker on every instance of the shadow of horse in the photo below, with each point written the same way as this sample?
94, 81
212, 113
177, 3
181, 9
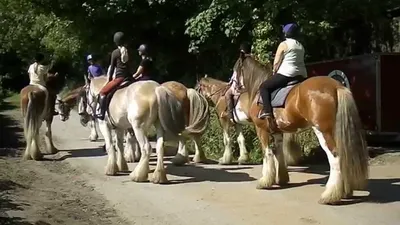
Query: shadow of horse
201, 174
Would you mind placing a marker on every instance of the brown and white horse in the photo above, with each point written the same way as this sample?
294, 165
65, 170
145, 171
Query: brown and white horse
214, 90
36, 105
318, 102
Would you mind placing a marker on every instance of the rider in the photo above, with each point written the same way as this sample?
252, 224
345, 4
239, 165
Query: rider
38, 73
120, 65
145, 69
236, 84
94, 69
288, 66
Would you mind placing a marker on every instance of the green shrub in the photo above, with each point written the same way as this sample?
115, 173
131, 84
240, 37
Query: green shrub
213, 145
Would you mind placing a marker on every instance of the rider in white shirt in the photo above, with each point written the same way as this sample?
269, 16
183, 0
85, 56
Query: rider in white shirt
37, 71
38, 74
288, 66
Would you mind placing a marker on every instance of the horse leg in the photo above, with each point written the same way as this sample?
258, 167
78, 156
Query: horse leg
48, 138
141, 171
282, 177
227, 158
199, 156
132, 151
334, 187
93, 130
159, 175
291, 149
111, 168
268, 169
119, 138
244, 155
182, 156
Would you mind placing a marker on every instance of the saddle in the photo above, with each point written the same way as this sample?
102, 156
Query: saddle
125, 83
278, 97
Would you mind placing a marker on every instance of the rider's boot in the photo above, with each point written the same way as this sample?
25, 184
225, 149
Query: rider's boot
273, 127
100, 110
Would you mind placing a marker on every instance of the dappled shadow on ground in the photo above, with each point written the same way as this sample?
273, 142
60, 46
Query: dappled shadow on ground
11, 133
6, 204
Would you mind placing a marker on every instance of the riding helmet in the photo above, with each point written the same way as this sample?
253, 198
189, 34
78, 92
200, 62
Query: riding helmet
143, 48
245, 48
119, 38
290, 30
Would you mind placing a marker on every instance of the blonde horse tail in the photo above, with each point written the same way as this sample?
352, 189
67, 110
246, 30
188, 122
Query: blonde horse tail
291, 149
31, 127
199, 114
170, 112
350, 143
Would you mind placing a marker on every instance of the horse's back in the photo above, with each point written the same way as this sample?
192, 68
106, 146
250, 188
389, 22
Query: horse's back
97, 83
320, 83
38, 94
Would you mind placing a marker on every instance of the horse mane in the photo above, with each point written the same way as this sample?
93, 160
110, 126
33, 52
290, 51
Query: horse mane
210, 80
254, 74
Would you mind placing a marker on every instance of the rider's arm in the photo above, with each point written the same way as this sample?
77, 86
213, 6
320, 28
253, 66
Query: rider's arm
279, 56
139, 70
112, 65
86, 77
138, 73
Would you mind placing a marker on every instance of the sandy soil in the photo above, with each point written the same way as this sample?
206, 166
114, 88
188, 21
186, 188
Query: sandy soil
70, 188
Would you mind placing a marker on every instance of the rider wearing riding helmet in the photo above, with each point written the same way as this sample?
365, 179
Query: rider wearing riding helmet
94, 69
120, 65
235, 83
145, 69
288, 66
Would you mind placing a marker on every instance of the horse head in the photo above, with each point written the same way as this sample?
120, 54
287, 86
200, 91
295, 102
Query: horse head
63, 109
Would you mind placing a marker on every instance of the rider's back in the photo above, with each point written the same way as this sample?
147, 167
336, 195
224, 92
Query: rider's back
293, 61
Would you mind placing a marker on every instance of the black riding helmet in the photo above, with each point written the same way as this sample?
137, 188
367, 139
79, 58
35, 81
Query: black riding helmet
143, 49
119, 38
245, 48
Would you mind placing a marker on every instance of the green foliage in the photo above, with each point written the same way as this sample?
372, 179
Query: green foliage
213, 145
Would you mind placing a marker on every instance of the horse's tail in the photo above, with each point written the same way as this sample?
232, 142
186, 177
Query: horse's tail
170, 112
350, 142
32, 122
199, 113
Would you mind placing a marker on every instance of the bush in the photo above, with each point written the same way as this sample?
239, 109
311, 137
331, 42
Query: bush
213, 145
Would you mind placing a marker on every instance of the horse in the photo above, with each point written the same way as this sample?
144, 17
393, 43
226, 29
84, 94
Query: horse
321, 103
36, 104
214, 90
132, 151
138, 106
70, 100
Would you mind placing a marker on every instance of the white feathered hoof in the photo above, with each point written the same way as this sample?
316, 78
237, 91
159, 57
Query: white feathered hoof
225, 160
200, 158
140, 174
244, 160
180, 160
93, 138
159, 177
111, 169
265, 183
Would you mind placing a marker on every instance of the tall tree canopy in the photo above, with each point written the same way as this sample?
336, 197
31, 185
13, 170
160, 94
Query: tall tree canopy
187, 37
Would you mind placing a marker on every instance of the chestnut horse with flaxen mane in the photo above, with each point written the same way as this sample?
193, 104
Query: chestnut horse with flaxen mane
37, 103
318, 102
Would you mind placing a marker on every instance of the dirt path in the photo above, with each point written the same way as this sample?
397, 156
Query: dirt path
199, 194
